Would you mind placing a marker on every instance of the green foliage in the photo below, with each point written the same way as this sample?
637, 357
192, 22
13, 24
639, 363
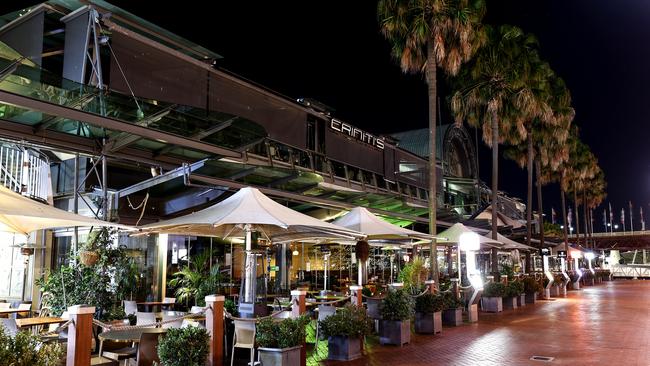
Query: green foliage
26, 349
351, 321
429, 303
286, 333
366, 291
184, 347
450, 301
413, 276
231, 307
195, 281
552, 230
531, 286
115, 313
507, 270
397, 305
495, 289
515, 288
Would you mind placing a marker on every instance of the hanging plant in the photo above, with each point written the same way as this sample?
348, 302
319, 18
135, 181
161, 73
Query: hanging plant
362, 250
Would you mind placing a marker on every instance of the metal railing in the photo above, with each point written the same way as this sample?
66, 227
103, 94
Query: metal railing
24, 171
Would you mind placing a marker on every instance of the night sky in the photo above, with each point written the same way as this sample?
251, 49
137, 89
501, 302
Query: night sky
332, 51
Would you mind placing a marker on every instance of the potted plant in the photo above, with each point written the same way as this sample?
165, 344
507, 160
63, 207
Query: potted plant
514, 292
280, 341
373, 302
88, 253
531, 288
25, 349
558, 282
587, 278
345, 331
184, 347
574, 280
452, 309
492, 298
396, 312
428, 313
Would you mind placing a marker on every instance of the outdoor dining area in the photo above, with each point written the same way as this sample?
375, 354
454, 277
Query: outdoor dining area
297, 287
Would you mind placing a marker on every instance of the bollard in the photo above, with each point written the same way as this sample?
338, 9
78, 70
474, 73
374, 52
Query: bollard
80, 335
299, 307
357, 298
215, 327
431, 286
472, 313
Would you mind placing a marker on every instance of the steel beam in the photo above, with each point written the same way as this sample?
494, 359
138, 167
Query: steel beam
283, 180
121, 140
165, 177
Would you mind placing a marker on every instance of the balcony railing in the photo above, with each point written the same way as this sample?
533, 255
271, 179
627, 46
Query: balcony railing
25, 171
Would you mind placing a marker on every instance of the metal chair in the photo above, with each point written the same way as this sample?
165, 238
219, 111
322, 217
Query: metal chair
168, 301
244, 338
147, 353
145, 318
324, 311
130, 307
167, 315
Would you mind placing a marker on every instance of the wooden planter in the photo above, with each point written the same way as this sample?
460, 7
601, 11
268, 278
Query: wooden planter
397, 332
576, 285
531, 298
373, 308
510, 302
492, 304
521, 300
280, 356
343, 348
453, 317
428, 323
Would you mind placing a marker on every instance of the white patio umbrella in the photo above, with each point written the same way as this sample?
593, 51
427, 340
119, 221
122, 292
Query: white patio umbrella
509, 243
452, 236
22, 215
364, 221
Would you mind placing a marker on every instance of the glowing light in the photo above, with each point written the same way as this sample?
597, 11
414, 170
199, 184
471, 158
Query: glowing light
469, 241
295, 252
589, 255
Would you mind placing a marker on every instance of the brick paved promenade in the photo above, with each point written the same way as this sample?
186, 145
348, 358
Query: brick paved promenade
607, 324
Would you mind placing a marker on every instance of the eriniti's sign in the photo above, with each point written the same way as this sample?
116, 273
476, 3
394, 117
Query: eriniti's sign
357, 134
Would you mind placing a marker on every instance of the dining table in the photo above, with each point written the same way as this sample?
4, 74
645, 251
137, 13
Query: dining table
36, 322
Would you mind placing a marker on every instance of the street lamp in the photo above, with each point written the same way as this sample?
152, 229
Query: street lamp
589, 256
469, 243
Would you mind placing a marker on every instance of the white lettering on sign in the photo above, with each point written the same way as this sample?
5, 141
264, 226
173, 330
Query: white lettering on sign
357, 134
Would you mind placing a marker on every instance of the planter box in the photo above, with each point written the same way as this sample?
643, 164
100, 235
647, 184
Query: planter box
430, 323
531, 298
342, 348
521, 300
576, 285
397, 332
492, 304
555, 291
373, 308
453, 317
510, 302
279, 356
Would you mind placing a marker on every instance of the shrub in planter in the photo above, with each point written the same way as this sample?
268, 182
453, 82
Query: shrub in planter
345, 331
492, 298
514, 290
184, 347
26, 349
531, 288
452, 310
280, 341
428, 313
396, 311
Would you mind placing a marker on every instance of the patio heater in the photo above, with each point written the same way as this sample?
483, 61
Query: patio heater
545, 252
589, 256
470, 243
576, 258
326, 264
561, 254
249, 287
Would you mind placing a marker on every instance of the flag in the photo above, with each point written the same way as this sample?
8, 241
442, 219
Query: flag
611, 214
642, 220
569, 218
630, 211
622, 216
553, 215
605, 218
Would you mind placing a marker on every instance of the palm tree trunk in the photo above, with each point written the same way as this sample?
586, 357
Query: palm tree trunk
575, 205
495, 187
566, 236
529, 198
584, 214
538, 168
433, 178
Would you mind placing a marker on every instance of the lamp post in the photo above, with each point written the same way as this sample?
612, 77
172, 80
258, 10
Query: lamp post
470, 243
589, 256
547, 290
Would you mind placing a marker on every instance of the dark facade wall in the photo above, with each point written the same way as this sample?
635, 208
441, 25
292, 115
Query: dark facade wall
344, 149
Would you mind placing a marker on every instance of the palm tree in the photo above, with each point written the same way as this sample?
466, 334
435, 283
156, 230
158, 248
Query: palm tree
425, 35
493, 95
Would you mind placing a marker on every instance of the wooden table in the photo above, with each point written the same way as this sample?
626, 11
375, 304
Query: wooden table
13, 311
148, 305
36, 322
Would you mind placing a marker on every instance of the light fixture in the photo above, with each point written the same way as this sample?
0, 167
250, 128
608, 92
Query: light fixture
589, 255
295, 252
469, 241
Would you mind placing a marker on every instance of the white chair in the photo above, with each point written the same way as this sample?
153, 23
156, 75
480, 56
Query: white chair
145, 318
130, 307
4, 305
324, 311
26, 307
196, 309
167, 315
244, 338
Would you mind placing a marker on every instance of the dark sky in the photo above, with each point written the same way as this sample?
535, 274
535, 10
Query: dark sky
332, 51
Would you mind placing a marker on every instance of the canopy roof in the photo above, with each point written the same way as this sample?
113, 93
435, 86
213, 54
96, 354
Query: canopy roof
22, 215
252, 207
502, 220
452, 236
361, 220
509, 243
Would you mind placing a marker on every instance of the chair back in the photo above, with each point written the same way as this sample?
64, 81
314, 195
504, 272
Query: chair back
145, 318
169, 300
24, 306
9, 325
167, 315
147, 350
325, 311
196, 309
130, 307
244, 333
4, 305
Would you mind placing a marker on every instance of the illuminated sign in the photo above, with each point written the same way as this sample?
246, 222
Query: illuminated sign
356, 133
544, 251
561, 254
